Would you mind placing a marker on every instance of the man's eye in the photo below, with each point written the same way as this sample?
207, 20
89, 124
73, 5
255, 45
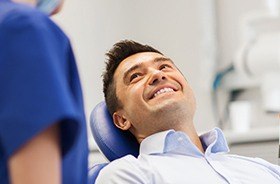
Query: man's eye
164, 66
133, 76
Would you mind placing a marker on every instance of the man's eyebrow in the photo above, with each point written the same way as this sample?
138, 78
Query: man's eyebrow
135, 67
161, 59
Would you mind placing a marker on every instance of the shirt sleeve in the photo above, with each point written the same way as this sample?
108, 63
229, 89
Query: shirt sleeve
125, 170
34, 88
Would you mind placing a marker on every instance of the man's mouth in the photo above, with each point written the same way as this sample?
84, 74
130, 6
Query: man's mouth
163, 90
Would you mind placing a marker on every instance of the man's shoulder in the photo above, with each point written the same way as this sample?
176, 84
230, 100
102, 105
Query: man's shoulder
127, 168
123, 163
246, 158
255, 160
251, 159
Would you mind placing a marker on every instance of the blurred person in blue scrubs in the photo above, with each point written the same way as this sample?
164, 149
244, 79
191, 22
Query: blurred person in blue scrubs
147, 95
42, 123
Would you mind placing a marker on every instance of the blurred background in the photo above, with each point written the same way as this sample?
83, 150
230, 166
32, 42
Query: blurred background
228, 51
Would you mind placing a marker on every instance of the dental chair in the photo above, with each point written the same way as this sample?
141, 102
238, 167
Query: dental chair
112, 142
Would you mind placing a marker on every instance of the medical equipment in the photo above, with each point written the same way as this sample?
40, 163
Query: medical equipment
258, 60
256, 65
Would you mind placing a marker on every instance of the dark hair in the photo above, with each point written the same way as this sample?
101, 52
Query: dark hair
115, 56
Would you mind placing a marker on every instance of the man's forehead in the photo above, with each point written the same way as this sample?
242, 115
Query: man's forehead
136, 59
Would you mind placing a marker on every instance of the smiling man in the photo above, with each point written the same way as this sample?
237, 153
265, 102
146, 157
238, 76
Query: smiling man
147, 95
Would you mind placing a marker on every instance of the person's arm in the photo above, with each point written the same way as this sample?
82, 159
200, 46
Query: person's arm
39, 160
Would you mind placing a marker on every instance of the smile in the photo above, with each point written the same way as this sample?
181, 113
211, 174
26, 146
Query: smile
164, 90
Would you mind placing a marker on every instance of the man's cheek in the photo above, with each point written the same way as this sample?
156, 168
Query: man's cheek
136, 91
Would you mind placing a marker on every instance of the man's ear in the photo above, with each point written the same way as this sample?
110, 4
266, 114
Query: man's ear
121, 121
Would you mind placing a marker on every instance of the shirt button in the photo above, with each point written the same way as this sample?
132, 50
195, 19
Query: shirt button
180, 139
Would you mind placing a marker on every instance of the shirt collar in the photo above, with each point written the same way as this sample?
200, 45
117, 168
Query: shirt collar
177, 142
154, 143
214, 141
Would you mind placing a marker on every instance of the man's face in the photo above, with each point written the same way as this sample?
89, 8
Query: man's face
154, 94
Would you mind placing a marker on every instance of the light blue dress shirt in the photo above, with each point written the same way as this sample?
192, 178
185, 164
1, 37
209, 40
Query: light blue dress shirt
170, 157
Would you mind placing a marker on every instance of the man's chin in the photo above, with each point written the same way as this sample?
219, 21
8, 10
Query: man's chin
167, 105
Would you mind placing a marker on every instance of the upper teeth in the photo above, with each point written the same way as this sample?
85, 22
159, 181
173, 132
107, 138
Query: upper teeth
164, 90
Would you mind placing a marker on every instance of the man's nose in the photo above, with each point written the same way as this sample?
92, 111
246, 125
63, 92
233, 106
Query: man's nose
156, 77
